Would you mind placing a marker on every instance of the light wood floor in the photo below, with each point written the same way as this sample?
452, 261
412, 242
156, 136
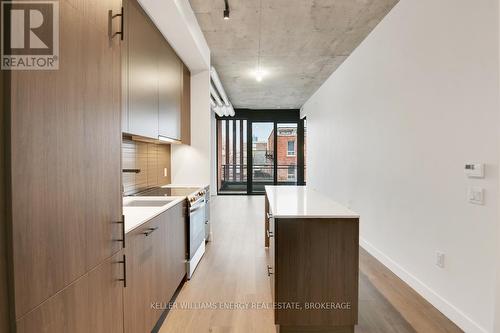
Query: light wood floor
233, 271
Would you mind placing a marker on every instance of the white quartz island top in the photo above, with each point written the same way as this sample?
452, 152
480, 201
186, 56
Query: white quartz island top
136, 216
301, 202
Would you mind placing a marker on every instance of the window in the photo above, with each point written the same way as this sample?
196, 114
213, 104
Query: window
291, 172
291, 148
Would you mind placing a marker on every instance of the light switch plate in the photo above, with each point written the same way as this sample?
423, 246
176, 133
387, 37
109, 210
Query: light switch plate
476, 195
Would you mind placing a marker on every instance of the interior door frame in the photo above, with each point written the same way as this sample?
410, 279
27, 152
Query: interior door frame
266, 115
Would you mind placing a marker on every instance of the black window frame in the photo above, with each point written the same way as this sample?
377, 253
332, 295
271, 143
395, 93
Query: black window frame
266, 115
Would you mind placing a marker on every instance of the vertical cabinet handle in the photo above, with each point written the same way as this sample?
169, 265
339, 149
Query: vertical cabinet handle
124, 279
122, 222
110, 27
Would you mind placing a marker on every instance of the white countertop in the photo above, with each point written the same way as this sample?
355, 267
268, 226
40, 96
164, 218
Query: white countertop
185, 185
301, 202
136, 216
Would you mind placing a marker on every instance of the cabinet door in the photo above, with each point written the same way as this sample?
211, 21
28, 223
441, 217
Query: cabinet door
186, 106
94, 303
143, 49
124, 67
176, 247
102, 137
65, 158
142, 270
170, 79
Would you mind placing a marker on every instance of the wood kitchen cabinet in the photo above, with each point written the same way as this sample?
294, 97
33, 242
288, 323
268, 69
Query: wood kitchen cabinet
169, 97
155, 267
156, 83
93, 303
65, 141
143, 47
186, 106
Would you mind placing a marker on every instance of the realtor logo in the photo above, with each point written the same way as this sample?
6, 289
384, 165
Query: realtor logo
30, 35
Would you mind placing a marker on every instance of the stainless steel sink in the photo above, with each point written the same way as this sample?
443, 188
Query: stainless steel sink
147, 203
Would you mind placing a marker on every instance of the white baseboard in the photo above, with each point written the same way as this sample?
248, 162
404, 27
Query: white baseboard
448, 309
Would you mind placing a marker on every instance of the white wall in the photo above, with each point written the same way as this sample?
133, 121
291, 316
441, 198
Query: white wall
389, 133
192, 164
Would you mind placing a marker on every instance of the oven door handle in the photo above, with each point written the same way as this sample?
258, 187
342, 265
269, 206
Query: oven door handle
192, 210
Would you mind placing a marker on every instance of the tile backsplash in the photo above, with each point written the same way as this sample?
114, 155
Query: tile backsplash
153, 161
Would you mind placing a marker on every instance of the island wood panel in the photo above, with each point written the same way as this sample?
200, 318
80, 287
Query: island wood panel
266, 221
186, 106
66, 196
151, 159
93, 303
316, 260
271, 259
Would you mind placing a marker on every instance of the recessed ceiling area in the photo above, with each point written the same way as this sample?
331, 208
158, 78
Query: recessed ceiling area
296, 44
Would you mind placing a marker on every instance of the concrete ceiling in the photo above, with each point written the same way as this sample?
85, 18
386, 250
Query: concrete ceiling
299, 44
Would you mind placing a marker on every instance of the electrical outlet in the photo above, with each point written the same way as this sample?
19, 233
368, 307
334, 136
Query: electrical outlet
440, 259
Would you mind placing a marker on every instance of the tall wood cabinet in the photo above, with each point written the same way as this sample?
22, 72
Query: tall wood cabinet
65, 161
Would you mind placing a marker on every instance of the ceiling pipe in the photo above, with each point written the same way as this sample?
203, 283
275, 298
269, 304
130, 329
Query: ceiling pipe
215, 95
217, 90
218, 85
215, 108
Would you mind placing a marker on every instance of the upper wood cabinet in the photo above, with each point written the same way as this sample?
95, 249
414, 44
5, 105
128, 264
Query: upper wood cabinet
169, 84
143, 42
186, 106
155, 87
65, 161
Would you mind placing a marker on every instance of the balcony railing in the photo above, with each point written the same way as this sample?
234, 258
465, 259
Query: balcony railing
236, 173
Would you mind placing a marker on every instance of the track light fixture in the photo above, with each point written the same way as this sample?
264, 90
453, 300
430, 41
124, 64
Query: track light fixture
226, 10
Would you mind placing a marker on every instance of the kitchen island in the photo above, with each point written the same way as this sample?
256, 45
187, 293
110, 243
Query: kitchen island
312, 260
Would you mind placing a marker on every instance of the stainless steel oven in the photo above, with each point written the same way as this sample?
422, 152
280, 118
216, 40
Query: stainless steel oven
196, 226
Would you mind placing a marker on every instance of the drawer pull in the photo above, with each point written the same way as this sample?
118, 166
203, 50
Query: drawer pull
122, 240
124, 262
150, 231
111, 18
269, 234
269, 270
